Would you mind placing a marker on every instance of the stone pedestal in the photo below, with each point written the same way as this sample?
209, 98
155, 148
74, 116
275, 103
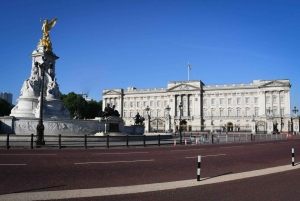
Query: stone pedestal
296, 125
253, 127
270, 126
147, 124
168, 123
28, 104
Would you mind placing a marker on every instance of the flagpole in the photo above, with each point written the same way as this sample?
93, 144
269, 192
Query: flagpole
188, 71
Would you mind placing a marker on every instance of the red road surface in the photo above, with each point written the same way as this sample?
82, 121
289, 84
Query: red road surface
51, 169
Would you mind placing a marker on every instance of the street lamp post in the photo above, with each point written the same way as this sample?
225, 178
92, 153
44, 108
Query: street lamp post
40, 127
180, 109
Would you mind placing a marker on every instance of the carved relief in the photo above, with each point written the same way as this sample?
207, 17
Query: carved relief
28, 126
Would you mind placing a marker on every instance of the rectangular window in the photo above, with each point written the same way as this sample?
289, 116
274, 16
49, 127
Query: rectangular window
165, 103
282, 112
268, 99
221, 101
212, 101
191, 102
138, 104
151, 103
275, 112
238, 101
212, 113
158, 113
145, 103
229, 101
247, 112
158, 103
256, 112
124, 114
131, 104
125, 104
204, 102
281, 99
131, 114
229, 112
221, 113
204, 113
247, 100
238, 113
255, 100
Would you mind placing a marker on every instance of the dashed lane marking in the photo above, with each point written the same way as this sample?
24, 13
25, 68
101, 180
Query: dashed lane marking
13, 164
264, 144
207, 156
28, 154
231, 147
105, 162
121, 153
187, 150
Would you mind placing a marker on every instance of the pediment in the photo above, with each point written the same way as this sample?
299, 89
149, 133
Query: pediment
184, 87
275, 83
111, 92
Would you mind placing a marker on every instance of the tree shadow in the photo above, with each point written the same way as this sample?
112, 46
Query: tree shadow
33, 189
216, 176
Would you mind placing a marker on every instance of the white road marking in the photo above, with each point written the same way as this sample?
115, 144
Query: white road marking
28, 154
13, 164
206, 156
143, 188
121, 153
264, 144
105, 162
232, 147
187, 150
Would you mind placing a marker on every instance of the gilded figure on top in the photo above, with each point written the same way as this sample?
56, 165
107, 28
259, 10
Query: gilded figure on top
46, 30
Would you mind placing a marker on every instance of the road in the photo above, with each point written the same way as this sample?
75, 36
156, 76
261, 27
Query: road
41, 170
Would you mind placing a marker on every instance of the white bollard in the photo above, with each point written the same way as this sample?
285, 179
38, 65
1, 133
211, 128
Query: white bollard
199, 168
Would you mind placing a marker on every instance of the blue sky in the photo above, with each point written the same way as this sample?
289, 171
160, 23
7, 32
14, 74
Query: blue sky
115, 44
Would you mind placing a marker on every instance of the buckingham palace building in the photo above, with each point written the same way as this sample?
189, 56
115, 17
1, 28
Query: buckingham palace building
230, 107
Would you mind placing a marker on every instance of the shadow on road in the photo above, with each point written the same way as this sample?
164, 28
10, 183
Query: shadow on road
217, 176
33, 190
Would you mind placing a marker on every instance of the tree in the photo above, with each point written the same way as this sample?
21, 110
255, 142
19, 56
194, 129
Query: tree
5, 107
75, 103
93, 109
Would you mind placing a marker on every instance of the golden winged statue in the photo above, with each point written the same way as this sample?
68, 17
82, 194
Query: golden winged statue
46, 30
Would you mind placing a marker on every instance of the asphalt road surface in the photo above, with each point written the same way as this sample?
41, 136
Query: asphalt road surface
44, 170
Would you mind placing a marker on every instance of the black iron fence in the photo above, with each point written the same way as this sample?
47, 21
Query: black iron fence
59, 141
86, 141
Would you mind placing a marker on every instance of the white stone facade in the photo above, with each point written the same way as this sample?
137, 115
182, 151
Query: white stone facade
231, 106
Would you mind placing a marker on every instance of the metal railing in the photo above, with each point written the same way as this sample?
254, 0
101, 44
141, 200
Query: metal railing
108, 141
